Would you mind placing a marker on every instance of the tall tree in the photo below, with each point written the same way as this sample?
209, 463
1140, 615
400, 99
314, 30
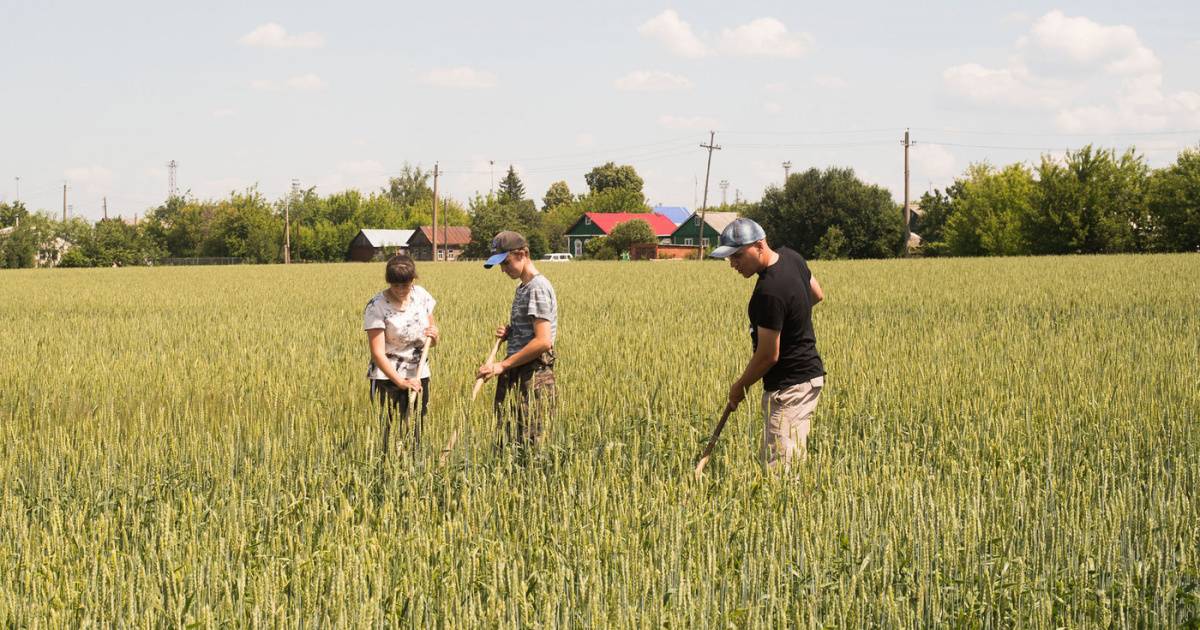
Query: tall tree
988, 210
410, 186
558, 194
801, 216
609, 176
511, 188
623, 235
1174, 203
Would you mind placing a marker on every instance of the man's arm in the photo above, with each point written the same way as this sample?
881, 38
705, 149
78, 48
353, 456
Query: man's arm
534, 349
765, 357
814, 289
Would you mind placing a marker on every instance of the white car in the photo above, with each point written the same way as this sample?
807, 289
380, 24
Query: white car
557, 257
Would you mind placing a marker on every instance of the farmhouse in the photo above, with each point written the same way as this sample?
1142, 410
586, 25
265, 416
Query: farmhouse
715, 222
595, 224
450, 243
370, 245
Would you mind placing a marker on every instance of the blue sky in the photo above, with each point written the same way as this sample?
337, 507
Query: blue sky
103, 95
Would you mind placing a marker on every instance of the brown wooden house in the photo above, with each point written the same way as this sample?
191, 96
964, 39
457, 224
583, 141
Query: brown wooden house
451, 241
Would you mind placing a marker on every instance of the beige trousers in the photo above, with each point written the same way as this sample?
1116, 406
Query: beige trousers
787, 420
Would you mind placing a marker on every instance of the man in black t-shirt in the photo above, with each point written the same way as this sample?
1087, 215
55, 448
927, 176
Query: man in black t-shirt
781, 331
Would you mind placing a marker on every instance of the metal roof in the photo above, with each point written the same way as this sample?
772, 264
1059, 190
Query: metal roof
606, 221
677, 214
716, 220
388, 238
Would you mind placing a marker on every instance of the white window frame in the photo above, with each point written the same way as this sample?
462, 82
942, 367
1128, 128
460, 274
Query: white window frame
697, 219
578, 247
441, 254
689, 241
704, 241
587, 220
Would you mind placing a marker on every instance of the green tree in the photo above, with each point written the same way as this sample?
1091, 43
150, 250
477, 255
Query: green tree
599, 248
11, 214
623, 235
489, 216
247, 227
936, 209
610, 176
987, 211
1092, 201
1174, 203
410, 186
558, 194
511, 188
810, 203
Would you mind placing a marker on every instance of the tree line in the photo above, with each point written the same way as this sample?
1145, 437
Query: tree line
1090, 201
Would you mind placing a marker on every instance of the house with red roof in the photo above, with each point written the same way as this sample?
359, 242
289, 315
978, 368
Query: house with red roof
595, 224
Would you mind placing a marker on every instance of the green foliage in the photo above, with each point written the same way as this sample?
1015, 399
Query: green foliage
11, 214
987, 211
246, 226
408, 188
74, 257
511, 188
610, 176
1174, 204
599, 248
18, 248
870, 224
623, 235
558, 194
490, 216
936, 211
833, 245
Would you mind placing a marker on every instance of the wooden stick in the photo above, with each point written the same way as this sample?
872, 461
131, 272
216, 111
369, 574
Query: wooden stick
713, 442
420, 368
478, 385
490, 359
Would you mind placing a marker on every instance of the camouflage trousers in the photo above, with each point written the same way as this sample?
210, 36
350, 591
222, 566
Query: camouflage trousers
525, 398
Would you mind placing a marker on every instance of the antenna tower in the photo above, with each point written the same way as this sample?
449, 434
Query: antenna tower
172, 190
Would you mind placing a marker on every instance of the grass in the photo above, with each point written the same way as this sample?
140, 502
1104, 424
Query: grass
1001, 442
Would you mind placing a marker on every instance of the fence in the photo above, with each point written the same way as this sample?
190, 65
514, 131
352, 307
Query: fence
213, 260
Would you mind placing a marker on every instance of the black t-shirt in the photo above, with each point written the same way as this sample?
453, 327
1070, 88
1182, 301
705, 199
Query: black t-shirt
782, 301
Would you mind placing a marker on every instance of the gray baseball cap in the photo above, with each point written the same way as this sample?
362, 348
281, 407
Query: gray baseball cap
504, 242
738, 234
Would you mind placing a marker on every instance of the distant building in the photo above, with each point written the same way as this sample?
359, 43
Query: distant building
450, 244
658, 251
371, 244
688, 232
595, 224
677, 214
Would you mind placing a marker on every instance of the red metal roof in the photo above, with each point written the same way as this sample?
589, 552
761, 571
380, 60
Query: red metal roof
606, 221
459, 235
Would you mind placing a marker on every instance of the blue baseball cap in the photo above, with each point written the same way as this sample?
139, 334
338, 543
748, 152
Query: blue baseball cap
736, 235
504, 242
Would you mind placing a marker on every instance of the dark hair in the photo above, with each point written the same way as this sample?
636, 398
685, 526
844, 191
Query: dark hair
400, 270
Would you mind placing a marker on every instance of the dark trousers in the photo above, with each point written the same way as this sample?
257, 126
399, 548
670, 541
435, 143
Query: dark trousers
395, 406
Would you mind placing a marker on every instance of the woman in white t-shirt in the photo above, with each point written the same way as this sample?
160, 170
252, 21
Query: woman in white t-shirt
398, 320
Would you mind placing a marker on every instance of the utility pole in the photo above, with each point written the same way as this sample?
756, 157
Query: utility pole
18, 178
433, 256
724, 187
64, 202
737, 196
704, 206
787, 166
906, 144
287, 227
106, 208
492, 168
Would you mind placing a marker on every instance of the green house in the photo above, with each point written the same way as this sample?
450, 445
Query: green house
688, 232
595, 224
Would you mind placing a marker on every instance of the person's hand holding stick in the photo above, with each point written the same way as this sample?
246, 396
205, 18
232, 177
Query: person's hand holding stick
729, 408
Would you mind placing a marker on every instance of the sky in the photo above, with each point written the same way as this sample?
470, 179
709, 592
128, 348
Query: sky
101, 96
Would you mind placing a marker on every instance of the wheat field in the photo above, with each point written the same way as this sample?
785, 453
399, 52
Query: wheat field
1000, 443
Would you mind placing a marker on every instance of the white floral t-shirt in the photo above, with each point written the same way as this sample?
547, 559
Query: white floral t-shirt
404, 332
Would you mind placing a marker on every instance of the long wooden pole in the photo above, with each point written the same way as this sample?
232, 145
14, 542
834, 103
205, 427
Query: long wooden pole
421, 368
713, 442
478, 385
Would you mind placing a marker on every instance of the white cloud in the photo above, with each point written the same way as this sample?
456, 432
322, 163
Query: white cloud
273, 35
461, 77
222, 112
643, 81
674, 35
1011, 87
770, 107
306, 83
933, 162
94, 174
1081, 57
585, 140
764, 37
694, 123
828, 81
